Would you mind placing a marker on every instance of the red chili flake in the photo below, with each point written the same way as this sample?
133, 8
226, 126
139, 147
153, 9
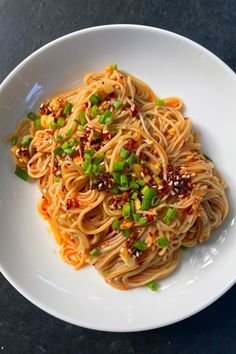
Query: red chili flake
86, 104
106, 136
130, 144
134, 110
72, 203
190, 210
150, 218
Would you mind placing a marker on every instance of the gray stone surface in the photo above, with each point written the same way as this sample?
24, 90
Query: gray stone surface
27, 25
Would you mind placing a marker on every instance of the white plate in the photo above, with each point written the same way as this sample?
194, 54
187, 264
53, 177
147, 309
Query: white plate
171, 65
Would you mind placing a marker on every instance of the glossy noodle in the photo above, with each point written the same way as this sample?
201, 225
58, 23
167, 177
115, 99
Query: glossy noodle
125, 185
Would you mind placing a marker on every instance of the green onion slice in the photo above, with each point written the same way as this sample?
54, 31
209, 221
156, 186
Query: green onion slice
21, 173
67, 109
126, 232
159, 102
94, 252
116, 224
126, 211
117, 104
162, 242
140, 245
152, 285
118, 166
61, 122
32, 116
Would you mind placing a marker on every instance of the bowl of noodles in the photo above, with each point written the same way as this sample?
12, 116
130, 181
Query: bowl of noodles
117, 185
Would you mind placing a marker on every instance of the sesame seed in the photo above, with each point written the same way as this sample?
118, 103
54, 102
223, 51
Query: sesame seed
142, 174
176, 183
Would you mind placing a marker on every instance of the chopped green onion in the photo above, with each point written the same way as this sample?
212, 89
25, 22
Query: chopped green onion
166, 220
124, 181
152, 285
60, 122
133, 185
108, 120
53, 125
107, 114
88, 154
136, 217
58, 138
162, 242
80, 127
126, 232
114, 190
98, 159
207, 158
159, 102
77, 121
134, 195
124, 154
21, 173
126, 211
94, 252
118, 165
14, 140
101, 119
95, 168
170, 214
114, 66
67, 109
95, 98
82, 118
71, 142
140, 245
69, 133
155, 201
94, 110
58, 151
184, 248
144, 189
147, 199
38, 122
143, 220
116, 224
32, 116
86, 164
26, 141
88, 167
116, 177
141, 183
132, 159
57, 179
65, 145
132, 205
117, 104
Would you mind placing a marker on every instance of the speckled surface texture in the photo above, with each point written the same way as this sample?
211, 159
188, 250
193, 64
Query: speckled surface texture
27, 25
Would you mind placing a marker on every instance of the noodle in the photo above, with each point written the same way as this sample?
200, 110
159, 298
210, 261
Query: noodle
124, 183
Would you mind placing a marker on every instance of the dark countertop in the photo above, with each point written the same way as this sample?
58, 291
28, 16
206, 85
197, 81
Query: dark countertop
27, 25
